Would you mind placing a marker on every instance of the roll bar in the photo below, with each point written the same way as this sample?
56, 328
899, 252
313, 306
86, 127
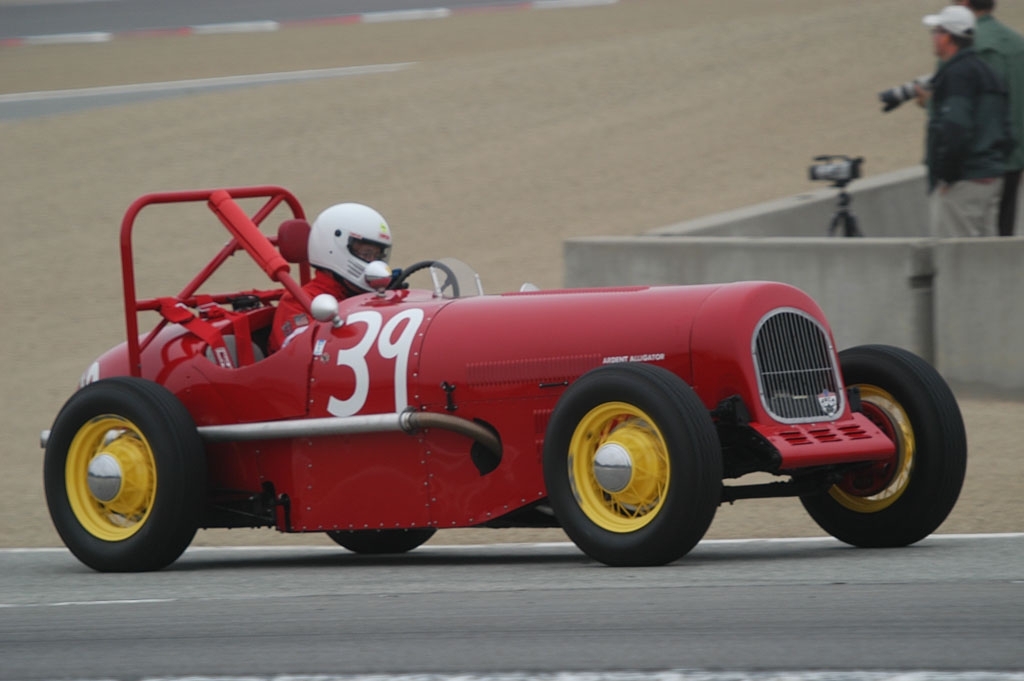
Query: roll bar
245, 236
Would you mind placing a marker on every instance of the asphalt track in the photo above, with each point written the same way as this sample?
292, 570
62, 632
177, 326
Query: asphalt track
951, 603
21, 19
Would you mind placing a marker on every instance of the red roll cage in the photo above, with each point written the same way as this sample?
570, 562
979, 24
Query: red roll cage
246, 236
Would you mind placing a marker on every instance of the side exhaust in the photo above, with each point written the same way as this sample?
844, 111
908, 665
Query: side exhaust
406, 421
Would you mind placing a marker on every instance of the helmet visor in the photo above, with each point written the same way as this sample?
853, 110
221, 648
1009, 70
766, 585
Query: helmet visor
367, 250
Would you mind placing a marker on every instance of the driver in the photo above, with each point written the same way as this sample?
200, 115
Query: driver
342, 240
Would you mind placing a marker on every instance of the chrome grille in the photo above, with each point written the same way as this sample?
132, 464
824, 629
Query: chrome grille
796, 371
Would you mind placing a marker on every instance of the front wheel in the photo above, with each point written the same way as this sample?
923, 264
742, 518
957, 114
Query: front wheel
904, 499
377, 542
633, 465
125, 475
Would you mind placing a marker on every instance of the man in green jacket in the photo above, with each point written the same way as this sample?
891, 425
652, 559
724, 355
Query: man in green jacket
968, 139
1002, 48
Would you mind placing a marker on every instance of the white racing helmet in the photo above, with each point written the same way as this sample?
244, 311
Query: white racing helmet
347, 236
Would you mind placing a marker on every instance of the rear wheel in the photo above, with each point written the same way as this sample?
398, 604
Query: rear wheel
381, 541
905, 498
632, 465
125, 475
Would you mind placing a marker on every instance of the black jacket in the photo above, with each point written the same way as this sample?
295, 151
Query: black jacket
969, 135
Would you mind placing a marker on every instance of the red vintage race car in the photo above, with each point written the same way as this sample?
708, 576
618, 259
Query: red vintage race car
616, 414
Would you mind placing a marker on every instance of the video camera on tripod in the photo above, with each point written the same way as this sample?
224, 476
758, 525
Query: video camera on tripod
840, 170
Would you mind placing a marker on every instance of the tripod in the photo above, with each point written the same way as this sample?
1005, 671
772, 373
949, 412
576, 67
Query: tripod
843, 218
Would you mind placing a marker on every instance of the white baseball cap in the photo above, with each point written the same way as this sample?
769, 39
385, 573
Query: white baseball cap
955, 19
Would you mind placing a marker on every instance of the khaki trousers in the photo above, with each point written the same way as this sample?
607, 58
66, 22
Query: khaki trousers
965, 208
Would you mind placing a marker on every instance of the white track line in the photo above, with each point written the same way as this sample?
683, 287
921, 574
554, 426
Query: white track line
235, 27
537, 545
68, 38
202, 83
406, 15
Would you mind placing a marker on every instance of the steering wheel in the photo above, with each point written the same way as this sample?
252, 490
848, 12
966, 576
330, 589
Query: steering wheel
451, 281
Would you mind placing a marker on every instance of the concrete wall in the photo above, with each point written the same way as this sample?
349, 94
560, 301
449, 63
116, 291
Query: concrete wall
889, 205
958, 303
979, 313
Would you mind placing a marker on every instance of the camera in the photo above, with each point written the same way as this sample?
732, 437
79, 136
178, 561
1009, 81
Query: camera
895, 96
840, 170
836, 168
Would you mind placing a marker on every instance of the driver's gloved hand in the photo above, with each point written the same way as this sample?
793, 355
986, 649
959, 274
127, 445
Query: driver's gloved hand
396, 274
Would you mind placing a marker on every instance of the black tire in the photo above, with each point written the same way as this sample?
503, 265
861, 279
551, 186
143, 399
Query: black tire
451, 279
673, 462
378, 542
907, 498
144, 516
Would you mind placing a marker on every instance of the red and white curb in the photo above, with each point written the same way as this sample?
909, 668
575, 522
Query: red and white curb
270, 26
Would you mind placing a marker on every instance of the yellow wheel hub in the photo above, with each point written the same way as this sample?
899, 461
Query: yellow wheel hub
618, 467
110, 476
878, 487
